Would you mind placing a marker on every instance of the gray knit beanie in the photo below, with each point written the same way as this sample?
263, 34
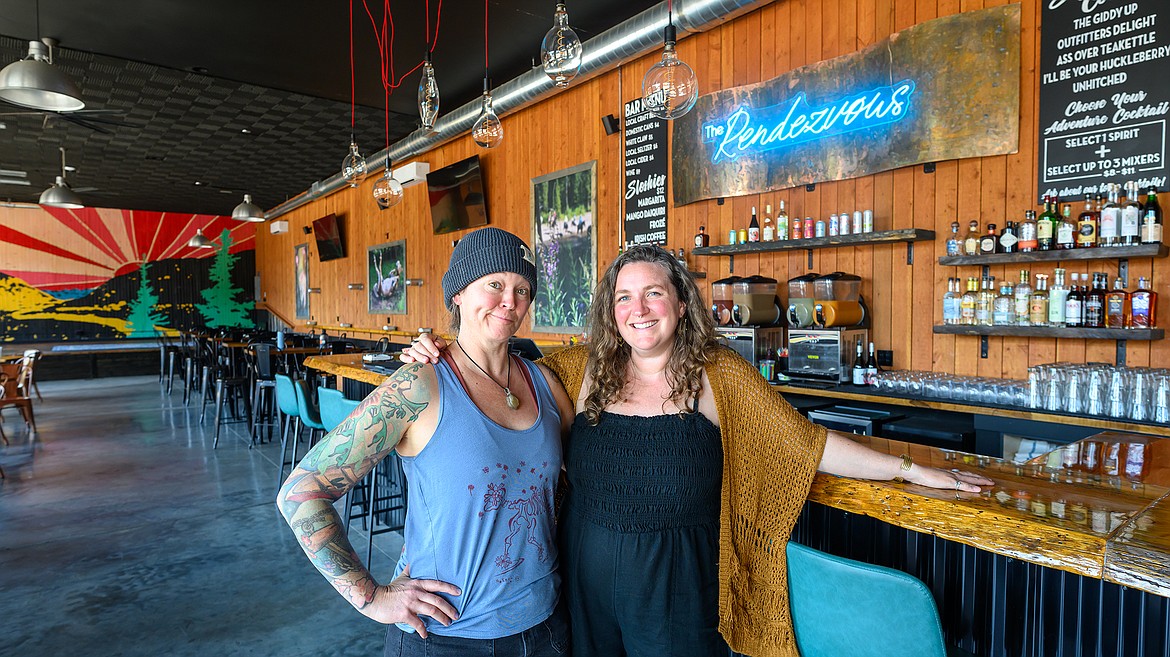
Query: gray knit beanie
487, 251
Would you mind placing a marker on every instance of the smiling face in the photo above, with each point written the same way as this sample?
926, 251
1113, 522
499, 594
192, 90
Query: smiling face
494, 305
646, 308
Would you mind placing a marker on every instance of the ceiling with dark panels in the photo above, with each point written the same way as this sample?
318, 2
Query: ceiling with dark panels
187, 76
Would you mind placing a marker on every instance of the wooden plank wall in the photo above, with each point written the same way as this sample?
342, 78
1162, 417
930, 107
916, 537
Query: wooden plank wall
566, 130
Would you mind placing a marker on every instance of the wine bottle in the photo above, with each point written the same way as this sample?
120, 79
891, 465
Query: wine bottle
858, 367
753, 232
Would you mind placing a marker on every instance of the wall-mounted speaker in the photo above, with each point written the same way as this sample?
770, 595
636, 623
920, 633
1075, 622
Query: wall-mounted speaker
611, 123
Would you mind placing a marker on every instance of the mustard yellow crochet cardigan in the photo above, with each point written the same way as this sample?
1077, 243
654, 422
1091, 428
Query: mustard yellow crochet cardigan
770, 454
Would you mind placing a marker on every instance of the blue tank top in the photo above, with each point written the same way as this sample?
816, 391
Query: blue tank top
480, 514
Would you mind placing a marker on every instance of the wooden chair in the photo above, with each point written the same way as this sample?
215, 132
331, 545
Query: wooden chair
27, 383
11, 395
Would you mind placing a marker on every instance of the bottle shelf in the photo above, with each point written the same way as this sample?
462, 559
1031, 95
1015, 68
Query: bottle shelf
879, 237
1098, 253
1053, 332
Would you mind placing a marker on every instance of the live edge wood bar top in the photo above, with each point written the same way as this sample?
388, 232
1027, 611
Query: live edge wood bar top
1075, 519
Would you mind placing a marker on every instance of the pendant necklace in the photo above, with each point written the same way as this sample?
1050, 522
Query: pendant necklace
512, 400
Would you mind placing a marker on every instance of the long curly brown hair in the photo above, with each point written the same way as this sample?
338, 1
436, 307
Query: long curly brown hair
609, 355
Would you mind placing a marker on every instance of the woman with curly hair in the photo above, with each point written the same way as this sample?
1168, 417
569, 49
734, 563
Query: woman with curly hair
686, 475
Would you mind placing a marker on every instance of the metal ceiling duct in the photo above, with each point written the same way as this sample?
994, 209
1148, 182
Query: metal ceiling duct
622, 43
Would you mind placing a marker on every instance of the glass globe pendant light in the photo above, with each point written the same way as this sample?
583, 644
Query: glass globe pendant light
560, 52
428, 95
669, 89
353, 166
488, 130
387, 190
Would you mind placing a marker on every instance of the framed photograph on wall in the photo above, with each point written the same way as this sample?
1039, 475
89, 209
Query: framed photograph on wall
564, 207
386, 278
301, 272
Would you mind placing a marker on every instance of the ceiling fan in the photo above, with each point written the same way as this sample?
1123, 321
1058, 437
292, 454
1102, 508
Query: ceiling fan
94, 119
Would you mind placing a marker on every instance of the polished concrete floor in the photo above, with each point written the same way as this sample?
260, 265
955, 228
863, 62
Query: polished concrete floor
123, 533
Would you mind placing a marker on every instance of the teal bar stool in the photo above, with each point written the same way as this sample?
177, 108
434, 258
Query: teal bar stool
308, 414
286, 403
846, 608
334, 409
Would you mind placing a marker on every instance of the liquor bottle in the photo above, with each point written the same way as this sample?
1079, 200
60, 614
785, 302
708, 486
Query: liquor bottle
971, 240
1023, 295
1107, 232
769, 234
951, 302
1066, 230
1003, 313
1117, 306
1008, 239
1057, 296
1143, 305
871, 367
1095, 303
1046, 226
984, 302
1087, 226
753, 232
989, 242
1152, 218
859, 367
1038, 302
967, 304
1074, 305
1026, 232
782, 223
1131, 216
702, 238
954, 246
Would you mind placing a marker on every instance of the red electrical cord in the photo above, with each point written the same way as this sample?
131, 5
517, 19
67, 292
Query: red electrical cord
352, 83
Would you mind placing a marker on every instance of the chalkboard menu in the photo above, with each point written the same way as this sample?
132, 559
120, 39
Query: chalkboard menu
1104, 99
645, 159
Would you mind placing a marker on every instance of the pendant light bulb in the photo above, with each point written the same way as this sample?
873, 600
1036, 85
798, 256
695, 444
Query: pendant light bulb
353, 167
670, 88
560, 52
60, 194
387, 191
488, 130
200, 241
428, 95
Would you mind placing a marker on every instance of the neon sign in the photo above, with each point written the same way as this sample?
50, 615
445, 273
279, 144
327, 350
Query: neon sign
755, 130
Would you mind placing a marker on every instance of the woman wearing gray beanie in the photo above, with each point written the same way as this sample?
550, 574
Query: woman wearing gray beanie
479, 434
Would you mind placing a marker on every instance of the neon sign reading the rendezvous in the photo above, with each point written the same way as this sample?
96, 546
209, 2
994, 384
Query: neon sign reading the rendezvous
753, 130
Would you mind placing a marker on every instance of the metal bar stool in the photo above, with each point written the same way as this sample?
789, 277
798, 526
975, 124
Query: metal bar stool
259, 357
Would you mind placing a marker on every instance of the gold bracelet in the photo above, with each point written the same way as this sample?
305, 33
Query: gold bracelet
907, 463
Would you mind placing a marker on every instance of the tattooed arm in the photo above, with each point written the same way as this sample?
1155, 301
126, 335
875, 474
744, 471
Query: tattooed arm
400, 410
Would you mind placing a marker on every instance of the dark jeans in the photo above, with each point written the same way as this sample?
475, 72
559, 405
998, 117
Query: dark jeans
547, 639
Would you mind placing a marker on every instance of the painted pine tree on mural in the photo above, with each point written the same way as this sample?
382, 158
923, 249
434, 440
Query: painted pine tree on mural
221, 309
142, 319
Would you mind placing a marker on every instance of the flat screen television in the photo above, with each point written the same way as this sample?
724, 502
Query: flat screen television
456, 196
327, 231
